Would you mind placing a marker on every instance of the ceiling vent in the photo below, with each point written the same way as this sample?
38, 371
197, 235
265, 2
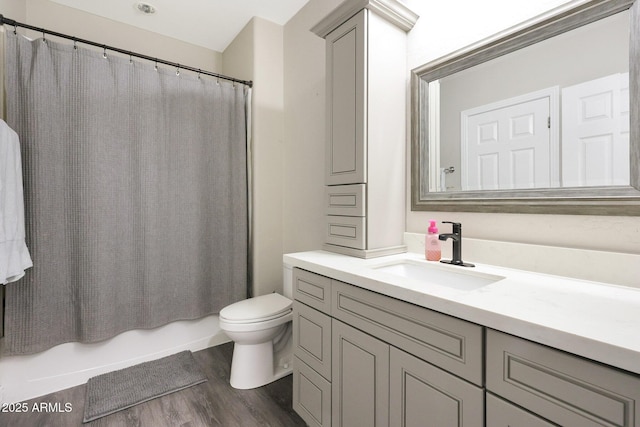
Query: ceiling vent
146, 8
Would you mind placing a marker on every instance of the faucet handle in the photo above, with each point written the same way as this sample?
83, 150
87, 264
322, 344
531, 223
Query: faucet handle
457, 227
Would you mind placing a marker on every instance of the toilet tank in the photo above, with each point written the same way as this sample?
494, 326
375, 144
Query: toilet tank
287, 280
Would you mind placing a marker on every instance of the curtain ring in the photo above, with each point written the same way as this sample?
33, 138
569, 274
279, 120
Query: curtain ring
15, 30
178, 70
155, 67
104, 51
44, 40
130, 58
75, 44
218, 80
199, 71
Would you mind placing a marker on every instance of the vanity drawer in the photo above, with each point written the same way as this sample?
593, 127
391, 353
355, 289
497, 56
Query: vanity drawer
312, 338
346, 200
560, 387
312, 289
348, 231
447, 342
311, 395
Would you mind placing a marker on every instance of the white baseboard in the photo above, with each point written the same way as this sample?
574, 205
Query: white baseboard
71, 364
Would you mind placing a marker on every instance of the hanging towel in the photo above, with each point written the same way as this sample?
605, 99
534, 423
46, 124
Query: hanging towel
14, 255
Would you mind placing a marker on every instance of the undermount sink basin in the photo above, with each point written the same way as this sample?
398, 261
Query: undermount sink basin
436, 274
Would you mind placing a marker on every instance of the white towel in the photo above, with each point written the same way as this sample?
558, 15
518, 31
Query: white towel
14, 255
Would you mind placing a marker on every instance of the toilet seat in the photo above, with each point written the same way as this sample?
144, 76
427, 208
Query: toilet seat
250, 327
257, 309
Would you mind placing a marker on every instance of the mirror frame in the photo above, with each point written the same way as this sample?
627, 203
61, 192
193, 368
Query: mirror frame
614, 200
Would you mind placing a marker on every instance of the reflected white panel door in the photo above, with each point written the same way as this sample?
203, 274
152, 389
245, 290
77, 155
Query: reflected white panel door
595, 132
509, 144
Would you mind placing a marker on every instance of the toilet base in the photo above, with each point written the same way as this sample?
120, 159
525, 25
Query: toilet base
254, 365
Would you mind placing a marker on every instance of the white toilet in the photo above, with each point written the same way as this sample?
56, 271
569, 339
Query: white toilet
260, 328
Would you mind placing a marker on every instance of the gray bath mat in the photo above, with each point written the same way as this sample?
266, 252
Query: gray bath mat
118, 390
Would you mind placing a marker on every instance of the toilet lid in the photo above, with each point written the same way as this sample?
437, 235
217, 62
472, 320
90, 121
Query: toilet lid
258, 308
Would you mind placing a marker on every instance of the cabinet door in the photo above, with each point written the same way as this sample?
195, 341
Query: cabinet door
311, 395
504, 414
360, 378
346, 81
312, 338
422, 395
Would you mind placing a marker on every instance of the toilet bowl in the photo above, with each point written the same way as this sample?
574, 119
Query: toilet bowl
260, 328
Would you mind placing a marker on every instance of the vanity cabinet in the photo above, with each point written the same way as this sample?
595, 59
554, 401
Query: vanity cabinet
421, 352
366, 126
391, 363
364, 358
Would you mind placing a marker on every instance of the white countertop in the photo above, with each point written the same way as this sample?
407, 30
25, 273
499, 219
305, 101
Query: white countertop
595, 320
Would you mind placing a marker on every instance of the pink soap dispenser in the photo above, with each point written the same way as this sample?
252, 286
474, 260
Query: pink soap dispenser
432, 251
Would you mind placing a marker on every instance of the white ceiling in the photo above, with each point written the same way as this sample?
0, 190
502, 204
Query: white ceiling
209, 23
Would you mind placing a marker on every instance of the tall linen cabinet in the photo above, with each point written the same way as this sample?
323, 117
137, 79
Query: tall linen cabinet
366, 126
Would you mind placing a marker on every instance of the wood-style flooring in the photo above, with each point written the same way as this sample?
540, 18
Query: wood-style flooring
213, 403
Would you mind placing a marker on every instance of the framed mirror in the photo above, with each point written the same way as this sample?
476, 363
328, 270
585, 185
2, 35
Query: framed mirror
541, 118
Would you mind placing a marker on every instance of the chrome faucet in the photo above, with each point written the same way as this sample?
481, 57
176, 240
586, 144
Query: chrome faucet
456, 237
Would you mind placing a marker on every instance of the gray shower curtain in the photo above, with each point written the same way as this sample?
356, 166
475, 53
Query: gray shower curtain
135, 194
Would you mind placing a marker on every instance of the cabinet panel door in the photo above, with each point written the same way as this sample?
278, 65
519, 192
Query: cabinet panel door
311, 395
346, 102
504, 414
561, 387
312, 338
422, 395
360, 378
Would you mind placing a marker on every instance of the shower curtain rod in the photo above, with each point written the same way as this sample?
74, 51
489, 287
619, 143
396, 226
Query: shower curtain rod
11, 22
